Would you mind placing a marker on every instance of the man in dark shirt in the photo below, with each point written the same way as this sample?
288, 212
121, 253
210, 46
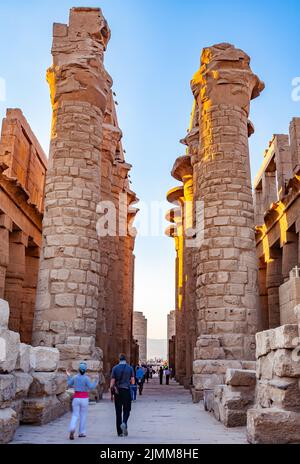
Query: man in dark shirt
121, 377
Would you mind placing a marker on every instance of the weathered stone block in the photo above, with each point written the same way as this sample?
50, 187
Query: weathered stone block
285, 336
273, 426
263, 342
47, 384
8, 425
7, 389
264, 366
285, 365
240, 377
23, 360
9, 350
44, 359
4, 314
23, 382
207, 381
285, 394
39, 411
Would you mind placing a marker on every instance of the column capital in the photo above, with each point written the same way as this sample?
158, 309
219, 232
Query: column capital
176, 195
225, 77
182, 168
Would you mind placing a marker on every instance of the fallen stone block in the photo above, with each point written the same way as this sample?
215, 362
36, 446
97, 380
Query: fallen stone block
44, 359
47, 384
240, 377
23, 360
23, 382
40, 411
4, 314
273, 426
9, 350
263, 342
8, 425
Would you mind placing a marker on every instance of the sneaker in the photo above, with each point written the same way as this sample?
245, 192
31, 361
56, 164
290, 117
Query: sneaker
82, 435
124, 429
71, 437
120, 435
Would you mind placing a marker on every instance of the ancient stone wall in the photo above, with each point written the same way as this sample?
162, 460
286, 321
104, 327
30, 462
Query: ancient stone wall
275, 417
23, 166
277, 209
140, 334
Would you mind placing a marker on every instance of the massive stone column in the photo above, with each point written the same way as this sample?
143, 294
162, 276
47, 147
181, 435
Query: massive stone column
176, 216
182, 171
69, 276
226, 293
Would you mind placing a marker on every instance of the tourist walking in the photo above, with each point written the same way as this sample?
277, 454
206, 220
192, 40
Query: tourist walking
133, 391
140, 378
82, 384
122, 377
161, 373
167, 374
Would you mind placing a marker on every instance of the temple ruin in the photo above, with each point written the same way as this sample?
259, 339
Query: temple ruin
67, 247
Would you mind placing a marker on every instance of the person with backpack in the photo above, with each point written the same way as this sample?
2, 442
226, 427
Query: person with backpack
82, 384
122, 377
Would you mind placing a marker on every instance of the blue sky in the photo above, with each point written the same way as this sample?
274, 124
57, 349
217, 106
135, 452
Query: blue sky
153, 53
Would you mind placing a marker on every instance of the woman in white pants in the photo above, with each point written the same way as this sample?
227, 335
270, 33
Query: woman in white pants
82, 384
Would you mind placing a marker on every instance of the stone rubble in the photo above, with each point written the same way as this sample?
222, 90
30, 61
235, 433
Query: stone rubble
32, 390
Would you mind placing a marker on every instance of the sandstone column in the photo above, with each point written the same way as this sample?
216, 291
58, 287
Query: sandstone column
226, 293
69, 276
15, 275
5, 228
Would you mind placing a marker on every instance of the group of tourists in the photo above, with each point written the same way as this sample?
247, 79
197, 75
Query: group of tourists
124, 384
165, 372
